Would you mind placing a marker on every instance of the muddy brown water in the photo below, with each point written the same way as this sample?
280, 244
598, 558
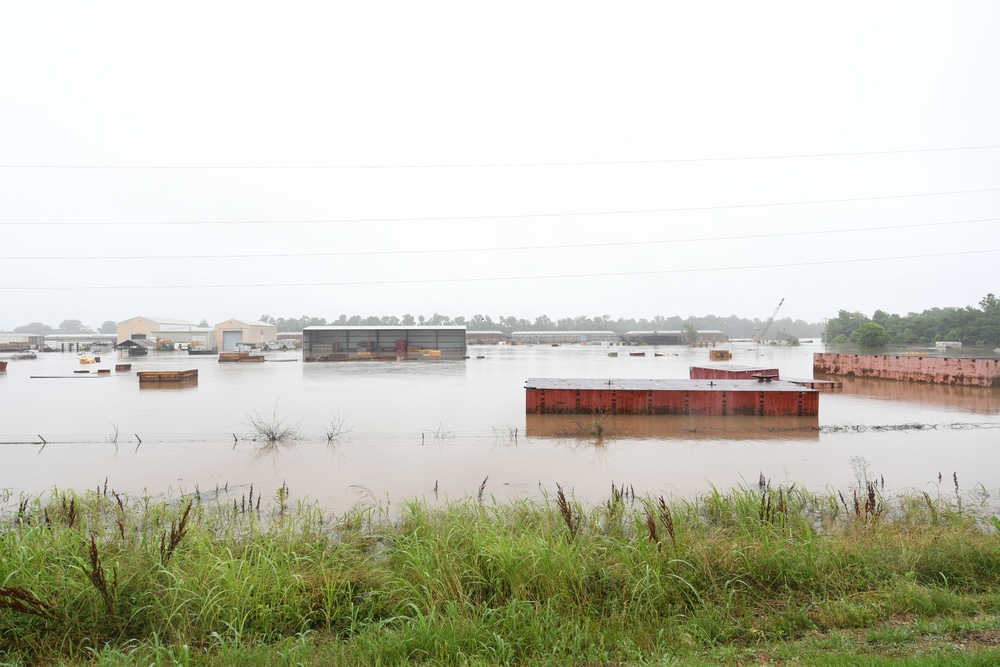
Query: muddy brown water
408, 428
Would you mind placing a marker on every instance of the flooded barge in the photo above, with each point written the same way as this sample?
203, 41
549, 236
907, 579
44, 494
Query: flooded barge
669, 397
966, 371
733, 372
155, 377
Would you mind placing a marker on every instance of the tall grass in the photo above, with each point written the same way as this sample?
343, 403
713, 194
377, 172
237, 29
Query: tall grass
100, 576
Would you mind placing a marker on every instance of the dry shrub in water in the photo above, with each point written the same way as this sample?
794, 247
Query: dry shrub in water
274, 428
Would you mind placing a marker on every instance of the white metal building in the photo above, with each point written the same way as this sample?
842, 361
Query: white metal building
144, 327
235, 332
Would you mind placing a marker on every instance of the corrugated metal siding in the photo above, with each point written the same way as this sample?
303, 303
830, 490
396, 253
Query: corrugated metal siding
343, 343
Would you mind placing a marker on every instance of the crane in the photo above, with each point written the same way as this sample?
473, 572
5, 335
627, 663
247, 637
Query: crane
767, 325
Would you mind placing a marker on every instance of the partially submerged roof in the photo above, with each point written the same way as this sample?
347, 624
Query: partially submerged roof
561, 332
253, 323
162, 321
383, 327
139, 342
668, 332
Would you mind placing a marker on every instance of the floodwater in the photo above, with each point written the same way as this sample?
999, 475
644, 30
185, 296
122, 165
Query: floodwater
439, 429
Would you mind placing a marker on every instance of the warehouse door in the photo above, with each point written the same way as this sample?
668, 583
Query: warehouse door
230, 339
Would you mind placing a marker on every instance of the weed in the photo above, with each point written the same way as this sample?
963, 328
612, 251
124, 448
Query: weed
25, 602
99, 579
177, 531
272, 429
337, 427
566, 510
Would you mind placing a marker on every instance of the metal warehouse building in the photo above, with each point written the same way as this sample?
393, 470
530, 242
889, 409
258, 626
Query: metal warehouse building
568, 337
382, 343
235, 332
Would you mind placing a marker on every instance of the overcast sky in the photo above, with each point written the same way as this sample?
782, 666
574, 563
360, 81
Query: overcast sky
233, 159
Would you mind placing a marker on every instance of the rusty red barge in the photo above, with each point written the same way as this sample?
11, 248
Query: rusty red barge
669, 397
733, 372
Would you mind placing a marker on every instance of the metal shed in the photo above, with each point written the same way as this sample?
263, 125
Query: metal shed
382, 343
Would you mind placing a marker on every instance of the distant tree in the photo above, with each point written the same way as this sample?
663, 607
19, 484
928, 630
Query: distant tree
989, 302
691, 331
35, 328
407, 320
75, 326
845, 323
872, 335
204, 322
108, 327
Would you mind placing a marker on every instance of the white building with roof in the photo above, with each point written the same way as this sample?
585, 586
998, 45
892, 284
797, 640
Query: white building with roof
235, 332
138, 328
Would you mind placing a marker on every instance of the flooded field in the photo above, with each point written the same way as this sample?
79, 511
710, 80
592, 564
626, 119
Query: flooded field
439, 429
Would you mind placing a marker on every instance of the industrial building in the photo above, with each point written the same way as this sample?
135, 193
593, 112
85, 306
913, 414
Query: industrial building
141, 328
705, 336
382, 343
12, 342
485, 337
563, 337
235, 332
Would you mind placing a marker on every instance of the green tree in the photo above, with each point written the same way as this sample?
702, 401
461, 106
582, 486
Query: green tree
109, 327
872, 335
35, 328
75, 326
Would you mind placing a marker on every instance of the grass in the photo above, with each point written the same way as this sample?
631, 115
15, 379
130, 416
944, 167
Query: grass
754, 575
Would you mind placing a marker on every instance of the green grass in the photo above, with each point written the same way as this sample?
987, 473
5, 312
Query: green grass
748, 576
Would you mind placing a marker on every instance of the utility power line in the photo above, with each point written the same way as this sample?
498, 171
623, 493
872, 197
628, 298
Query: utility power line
358, 283
500, 217
499, 165
564, 246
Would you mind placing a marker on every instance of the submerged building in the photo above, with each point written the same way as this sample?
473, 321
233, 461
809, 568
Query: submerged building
563, 337
382, 343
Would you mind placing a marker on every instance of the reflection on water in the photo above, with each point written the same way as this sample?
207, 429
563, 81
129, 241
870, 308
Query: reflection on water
416, 427
169, 386
978, 400
672, 427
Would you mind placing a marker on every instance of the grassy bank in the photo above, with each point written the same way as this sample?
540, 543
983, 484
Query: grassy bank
754, 575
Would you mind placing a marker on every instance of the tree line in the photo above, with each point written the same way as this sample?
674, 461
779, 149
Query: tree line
735, 327
66, 327
978, 326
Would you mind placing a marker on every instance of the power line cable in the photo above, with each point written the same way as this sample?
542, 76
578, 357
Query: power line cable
566, 246
480, 165
360, 283
504, 216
